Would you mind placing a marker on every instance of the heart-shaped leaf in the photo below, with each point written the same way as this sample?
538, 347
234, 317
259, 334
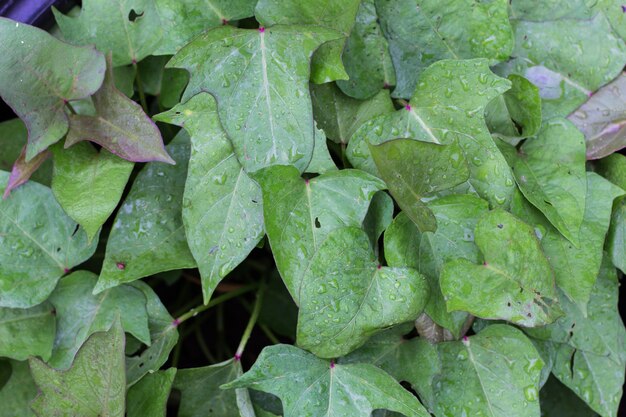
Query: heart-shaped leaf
39, 74
613, 168
148, 235
94, 386
414, 170
321, 161
346, 295
366, 56
88, 184
222, 206
27, 332
18, 392
550, 172
420, 33
303, 212
251, 82
515, 282
130, 29
325, 388
38, 244
120, 125
405, 245
445, 115
80, 314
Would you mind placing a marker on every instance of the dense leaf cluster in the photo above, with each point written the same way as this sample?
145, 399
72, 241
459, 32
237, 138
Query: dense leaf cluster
368, 168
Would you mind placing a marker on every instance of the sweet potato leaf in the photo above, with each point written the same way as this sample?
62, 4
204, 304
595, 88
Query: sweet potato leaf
149, 396
266, 114
36, 230
18, 392
148, 235
94, 386
515, 281
445, 115
39, 74
366, 56
22, 170
325, 388
222, 206
303, 212
27, 332
120, 126
131, 30
421, 32
346, 295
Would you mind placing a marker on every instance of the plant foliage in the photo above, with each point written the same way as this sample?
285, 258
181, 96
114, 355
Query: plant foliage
397, 207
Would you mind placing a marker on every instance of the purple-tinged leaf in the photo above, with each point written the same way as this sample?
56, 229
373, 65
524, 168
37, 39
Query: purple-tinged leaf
120, 126
22, 170
39, 74
603, 119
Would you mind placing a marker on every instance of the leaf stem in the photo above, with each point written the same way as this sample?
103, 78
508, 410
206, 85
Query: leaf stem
70, 108
253, 318
142, 95
268, 332
217, 300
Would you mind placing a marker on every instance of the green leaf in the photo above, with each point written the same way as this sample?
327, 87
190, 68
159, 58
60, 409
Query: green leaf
576, 268
149, 396
414, 170
147, 235
321, 161
557, 400
120, 126
174, 82
515, 283
613, 168
95, 385
200, 391
598, 330
346, 296
251, 82
340, 116
420, 33
445, 115
38, 244
550, 172
412, 360
405, 245
366, 56
327, 64
304, 211
602, 119
567, 57
27, 332
13, 137
88, 184
222, 207
517, 113
495, 373
378, 218
163, 335
278, 310
80, 314
111, 27
22, 170
325, 388
182, 21
18, 392
595, 379
39, 74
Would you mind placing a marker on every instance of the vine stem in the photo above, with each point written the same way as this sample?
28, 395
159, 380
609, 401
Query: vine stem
217, 300
253, 318
69, 107
142, 95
